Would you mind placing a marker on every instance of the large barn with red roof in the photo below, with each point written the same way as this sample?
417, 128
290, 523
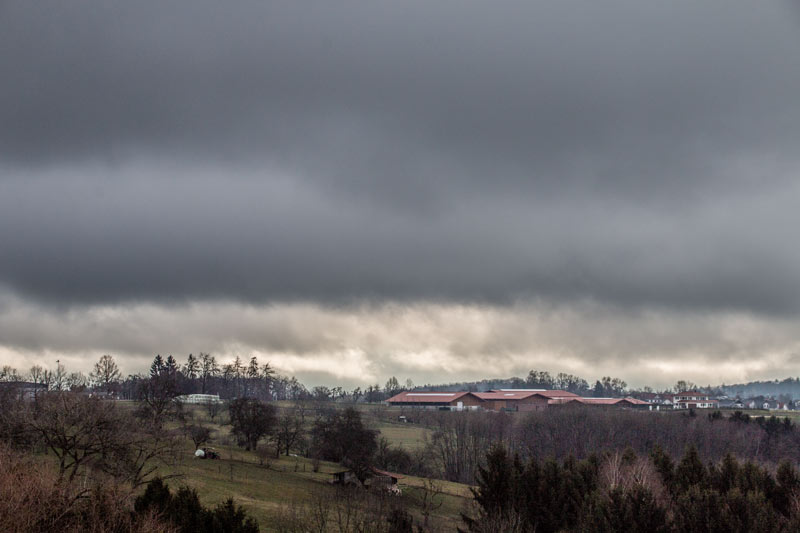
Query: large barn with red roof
452, 400
505, 400
521, 399
496, 400
614, 402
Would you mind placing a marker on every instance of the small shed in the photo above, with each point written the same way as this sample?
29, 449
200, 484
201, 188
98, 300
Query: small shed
345, 478
375, 479
382, 480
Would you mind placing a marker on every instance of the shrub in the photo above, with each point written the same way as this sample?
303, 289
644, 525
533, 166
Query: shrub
184, 511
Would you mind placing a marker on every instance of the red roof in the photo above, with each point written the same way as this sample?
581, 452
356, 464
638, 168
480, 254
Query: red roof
434, 397
426, 397
636, 401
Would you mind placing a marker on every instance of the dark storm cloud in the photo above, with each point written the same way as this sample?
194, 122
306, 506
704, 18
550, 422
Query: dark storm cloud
636, 152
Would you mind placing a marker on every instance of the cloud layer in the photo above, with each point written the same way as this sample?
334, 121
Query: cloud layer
427, 342
460, 155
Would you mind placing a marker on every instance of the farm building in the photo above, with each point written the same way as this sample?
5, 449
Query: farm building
435, 400
375, 479
507, 400
521, 399
603, 402
199, 398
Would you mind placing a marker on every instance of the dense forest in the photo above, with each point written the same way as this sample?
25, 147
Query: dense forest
634, 493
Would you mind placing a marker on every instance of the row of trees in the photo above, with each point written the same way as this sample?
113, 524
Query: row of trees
249, 378
200, 374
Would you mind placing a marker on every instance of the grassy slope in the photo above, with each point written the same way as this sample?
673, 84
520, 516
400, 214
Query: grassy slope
262, 490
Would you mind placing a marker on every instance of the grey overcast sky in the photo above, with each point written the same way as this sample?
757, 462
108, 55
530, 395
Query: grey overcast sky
436, 189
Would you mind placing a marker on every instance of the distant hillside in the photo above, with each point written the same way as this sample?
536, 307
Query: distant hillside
788, 387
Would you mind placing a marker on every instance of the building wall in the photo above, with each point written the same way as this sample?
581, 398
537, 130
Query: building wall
703, 404
468, 400
531, 403
420, 405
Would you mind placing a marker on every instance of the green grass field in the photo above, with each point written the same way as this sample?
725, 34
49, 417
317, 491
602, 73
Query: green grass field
408, 436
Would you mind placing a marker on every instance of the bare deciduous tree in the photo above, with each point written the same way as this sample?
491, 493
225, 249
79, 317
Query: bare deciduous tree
9, 373
56, 379
429, 498
289, 431
106, 373
199, 434
75, 429
36, 374
76, 382
213, 408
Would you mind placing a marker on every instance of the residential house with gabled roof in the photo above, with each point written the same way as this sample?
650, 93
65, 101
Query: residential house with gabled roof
694, 400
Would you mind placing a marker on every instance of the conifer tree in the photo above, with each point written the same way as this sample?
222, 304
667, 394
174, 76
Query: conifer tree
788, 487
690, 471
157, 366
664, 466
171, 366
494, 492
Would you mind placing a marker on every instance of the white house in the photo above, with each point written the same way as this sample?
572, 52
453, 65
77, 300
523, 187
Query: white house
694, 400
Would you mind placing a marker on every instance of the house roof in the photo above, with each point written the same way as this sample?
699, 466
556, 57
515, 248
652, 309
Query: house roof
372, 469
496, 395
691, 393
647, 395
636, 401
385, 473
426, 397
